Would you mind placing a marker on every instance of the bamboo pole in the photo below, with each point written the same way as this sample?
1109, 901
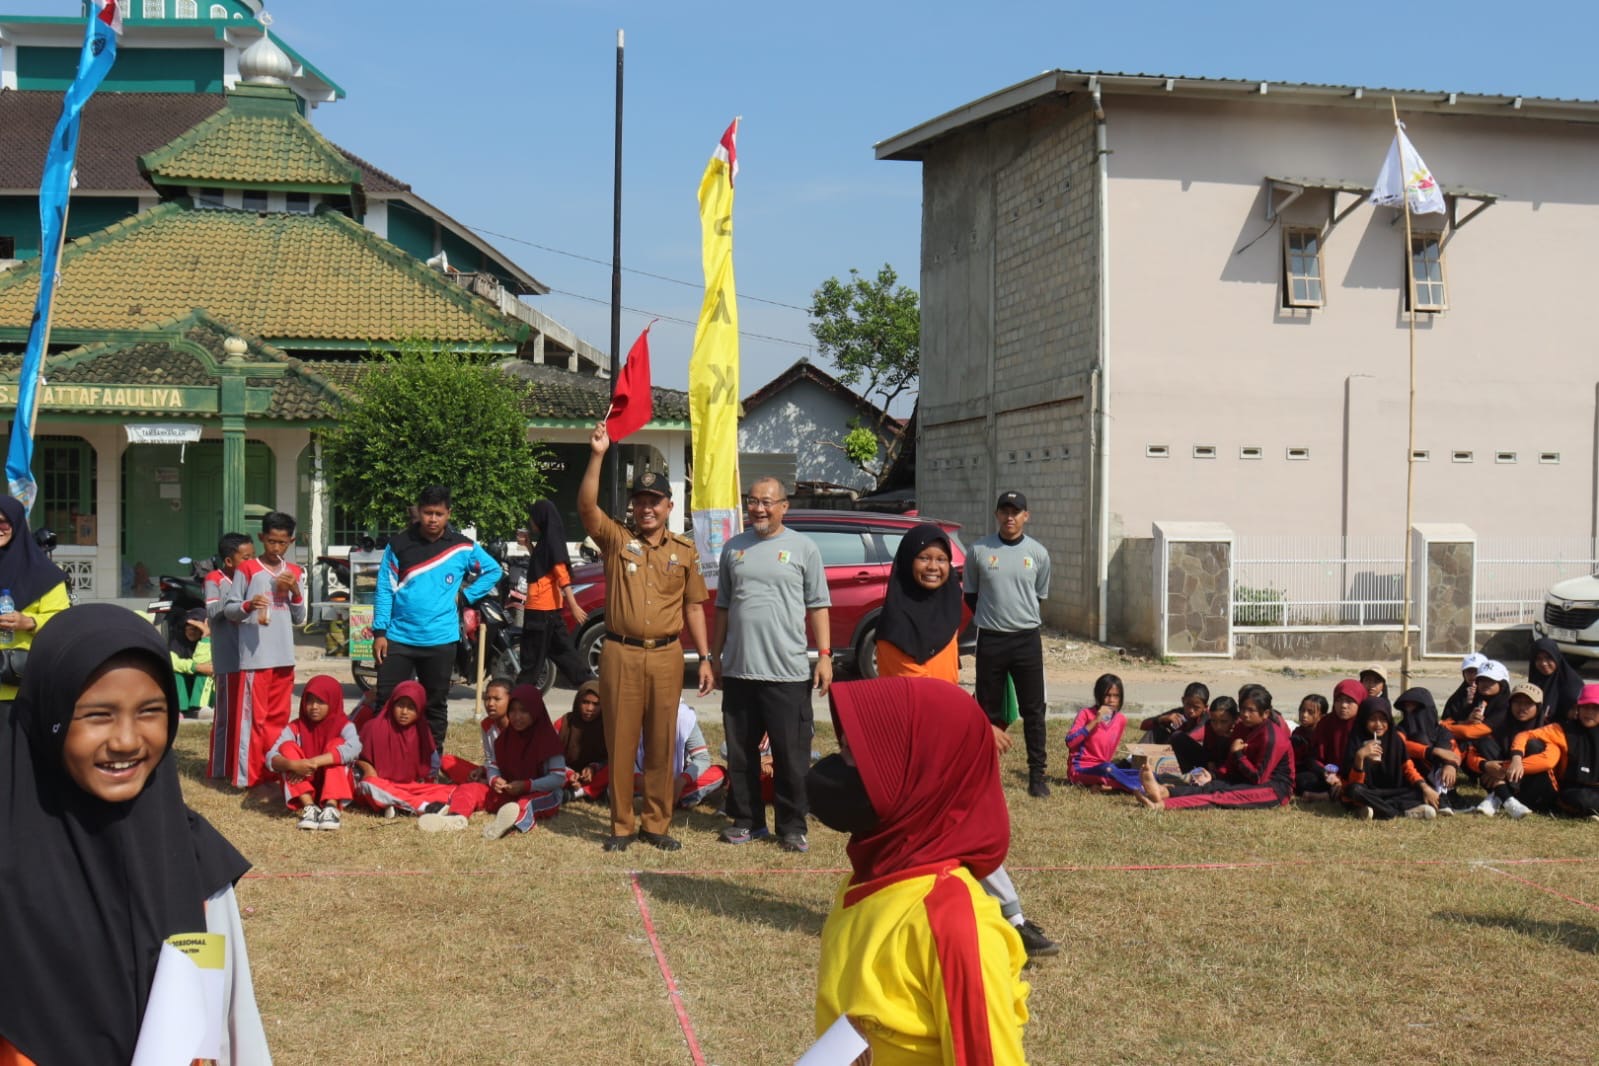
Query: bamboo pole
482, 650
1410, 447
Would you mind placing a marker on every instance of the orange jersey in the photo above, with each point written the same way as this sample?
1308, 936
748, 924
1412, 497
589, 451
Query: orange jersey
945, 665
545, 593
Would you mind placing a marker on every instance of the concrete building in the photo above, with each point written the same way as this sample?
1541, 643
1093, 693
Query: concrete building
804, 414
1151, 298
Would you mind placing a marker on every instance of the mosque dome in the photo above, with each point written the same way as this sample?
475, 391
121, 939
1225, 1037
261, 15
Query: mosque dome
264, 63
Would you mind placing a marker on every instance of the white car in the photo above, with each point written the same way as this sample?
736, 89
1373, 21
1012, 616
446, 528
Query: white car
1571, 617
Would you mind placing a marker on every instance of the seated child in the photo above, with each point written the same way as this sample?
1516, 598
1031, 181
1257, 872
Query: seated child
697, 779
525, 769
1380, 781
1464, 696
1160, 728
582, 733
1564, 777
1330, 739
1485, 715
1257, 770
496, 701
1375, 681
1430, 746
1308, 781
1489, 757
399, 764
191, 663
1204, 746
314, 753
1095, 735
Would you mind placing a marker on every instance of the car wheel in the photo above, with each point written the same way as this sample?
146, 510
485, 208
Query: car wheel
590, 644
866, 653
365, 674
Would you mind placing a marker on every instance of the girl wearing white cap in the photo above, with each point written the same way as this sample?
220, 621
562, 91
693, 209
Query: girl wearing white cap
1462, 696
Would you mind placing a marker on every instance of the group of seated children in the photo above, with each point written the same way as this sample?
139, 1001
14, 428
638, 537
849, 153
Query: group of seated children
1534, 747
386, 760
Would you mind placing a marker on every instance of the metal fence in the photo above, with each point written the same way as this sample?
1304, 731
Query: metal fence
1513, 573
1318, 580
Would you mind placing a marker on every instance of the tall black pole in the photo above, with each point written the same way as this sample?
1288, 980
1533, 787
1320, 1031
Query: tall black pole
615, 459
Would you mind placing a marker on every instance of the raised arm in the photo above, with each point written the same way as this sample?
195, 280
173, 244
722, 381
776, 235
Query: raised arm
588, 490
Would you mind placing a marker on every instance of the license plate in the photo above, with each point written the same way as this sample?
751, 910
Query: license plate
1562, 636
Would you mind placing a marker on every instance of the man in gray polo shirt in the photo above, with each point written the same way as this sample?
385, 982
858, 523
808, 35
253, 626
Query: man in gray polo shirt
770, 583
1007, 574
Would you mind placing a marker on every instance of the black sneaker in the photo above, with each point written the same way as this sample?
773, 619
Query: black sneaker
660, 840
794, 842
616, 843
1037, 945
433, 808
1038, 787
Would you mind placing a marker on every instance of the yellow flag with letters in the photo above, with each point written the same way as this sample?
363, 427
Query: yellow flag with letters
713, 368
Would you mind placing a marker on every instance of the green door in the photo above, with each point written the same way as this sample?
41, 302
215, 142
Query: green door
172, 505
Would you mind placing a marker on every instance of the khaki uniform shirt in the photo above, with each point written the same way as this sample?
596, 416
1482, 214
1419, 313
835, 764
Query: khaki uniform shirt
647, 589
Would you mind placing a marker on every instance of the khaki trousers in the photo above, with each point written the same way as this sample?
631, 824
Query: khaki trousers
640, 689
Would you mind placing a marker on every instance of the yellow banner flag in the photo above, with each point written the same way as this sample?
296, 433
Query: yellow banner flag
713, 368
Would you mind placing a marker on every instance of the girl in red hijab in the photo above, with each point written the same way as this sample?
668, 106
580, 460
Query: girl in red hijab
915, 953
314, 753
399, 765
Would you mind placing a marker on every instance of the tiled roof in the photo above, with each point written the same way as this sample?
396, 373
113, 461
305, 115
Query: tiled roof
555, 395
375, 179
160, 358
254, 141
117, 128
280, 276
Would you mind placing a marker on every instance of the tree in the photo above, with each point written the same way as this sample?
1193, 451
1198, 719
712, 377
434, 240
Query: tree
871, 330
430, 416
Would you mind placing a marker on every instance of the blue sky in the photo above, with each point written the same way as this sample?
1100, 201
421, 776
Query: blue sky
500, 112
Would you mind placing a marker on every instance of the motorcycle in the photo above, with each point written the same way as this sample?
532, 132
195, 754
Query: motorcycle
46, 539
179, 595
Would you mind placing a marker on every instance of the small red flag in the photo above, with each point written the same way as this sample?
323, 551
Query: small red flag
631, 402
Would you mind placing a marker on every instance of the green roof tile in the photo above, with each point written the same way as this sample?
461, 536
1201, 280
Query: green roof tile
256, 140
285, 277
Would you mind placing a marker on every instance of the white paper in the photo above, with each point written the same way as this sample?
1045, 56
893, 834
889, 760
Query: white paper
179, 1023
839, 1046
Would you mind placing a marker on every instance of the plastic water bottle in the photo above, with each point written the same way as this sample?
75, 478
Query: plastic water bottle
7, 606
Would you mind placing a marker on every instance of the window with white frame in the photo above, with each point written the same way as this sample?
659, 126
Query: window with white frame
218, 11
1427, 260
188, 9
1302, 278
155, 9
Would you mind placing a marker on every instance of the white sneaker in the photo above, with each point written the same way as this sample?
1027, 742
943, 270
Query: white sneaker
1516, 809
310, 817
504, 822
441, 823
329, 818
1366, 814
389, 814
1490, 806
1425, 812
1445, 811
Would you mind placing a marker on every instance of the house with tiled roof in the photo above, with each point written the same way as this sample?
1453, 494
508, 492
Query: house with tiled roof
229, 274
801, 418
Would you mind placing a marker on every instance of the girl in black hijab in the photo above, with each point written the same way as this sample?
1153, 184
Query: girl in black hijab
549, 582
921, 616
38, 587
1379, 778
100, 861
1561, 684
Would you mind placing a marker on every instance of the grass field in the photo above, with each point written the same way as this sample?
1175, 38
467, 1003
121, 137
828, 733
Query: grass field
1281, 937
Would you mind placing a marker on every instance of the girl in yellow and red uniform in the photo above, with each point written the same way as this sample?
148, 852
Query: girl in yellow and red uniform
915, 953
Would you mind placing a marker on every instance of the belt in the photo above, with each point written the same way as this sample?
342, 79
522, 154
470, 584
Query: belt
638, 642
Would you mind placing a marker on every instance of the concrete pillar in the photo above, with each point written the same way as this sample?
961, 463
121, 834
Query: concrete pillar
233, 411
1443, 575
109, 442
1194, 589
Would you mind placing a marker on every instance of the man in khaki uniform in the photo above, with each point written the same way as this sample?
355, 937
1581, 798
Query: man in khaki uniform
653, 587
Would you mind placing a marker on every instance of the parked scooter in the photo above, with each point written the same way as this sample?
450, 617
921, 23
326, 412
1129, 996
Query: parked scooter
180, 595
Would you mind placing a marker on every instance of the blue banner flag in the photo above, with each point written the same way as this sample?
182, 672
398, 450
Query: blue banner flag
99, 51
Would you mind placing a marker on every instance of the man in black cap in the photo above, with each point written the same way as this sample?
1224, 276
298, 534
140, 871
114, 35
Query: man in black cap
1007, 574
653, 588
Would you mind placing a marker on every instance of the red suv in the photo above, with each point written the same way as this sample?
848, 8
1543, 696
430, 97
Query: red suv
857, 551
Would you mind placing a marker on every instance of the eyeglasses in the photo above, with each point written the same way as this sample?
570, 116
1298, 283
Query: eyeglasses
756, 502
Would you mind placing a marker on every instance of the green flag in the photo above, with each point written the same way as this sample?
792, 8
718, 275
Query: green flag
1013, 709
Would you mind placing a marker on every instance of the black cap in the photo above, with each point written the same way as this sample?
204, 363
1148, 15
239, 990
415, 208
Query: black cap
651, 482
1012, 499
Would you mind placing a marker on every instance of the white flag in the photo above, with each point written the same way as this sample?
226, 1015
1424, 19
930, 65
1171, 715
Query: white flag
1405, 173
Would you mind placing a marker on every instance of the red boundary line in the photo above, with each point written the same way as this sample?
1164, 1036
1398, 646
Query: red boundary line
1542, 888
666, 971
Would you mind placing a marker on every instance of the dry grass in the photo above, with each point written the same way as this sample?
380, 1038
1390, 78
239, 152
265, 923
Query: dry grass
1280, 937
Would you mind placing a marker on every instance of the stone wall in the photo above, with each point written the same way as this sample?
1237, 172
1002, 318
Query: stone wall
1366, 645
1451, 597
1198, 597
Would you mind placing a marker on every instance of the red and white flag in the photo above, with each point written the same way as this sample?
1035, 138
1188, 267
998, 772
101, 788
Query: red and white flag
632, 404
110, 13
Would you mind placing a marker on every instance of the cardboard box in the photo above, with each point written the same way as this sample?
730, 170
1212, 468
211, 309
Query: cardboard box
1158, 756
85, 529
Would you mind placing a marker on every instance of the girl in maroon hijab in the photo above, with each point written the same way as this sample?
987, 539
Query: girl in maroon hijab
314, 753
915, 953
526, 775
399, 764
